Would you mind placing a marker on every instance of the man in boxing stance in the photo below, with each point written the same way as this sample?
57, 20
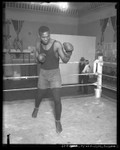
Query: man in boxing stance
48, 53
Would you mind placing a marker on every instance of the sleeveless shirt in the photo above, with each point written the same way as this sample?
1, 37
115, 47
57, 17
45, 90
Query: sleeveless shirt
51, 61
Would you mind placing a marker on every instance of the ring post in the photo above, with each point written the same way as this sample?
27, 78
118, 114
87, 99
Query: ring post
98, 90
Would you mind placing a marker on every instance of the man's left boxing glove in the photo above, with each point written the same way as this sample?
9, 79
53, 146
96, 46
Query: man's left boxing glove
68, 47
42, 57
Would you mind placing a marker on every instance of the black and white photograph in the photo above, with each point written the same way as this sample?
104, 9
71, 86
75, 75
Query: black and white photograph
59, 73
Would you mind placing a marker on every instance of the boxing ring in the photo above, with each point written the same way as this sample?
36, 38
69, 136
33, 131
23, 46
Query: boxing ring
85, 119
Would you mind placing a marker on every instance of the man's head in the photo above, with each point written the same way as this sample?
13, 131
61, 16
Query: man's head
44, 33
87, 61
82, 60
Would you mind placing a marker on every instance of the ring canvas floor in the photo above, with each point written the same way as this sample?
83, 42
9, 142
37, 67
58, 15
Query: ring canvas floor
85, 120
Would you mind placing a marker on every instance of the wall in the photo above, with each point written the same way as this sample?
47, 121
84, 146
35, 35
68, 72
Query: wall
32, 20
89, 25
94, 29
86, 25
100, 13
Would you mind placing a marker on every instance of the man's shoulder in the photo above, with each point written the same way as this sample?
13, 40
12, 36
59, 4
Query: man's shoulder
57, 44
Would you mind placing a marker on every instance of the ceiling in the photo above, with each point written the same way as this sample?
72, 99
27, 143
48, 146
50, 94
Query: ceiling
88, 5
75, 8
85, 5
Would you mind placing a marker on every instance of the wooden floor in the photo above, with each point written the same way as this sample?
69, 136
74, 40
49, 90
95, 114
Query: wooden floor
85, 120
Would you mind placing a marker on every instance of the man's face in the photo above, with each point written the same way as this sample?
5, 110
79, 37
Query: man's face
45, 38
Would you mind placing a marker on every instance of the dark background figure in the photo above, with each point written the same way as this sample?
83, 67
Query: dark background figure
86, 70
81, 77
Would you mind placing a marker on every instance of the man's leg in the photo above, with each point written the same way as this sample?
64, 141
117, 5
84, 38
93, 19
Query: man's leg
85, 82
38, 98
42, 86
58, 108
80, 82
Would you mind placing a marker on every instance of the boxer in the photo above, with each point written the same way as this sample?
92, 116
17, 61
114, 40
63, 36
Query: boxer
48, 52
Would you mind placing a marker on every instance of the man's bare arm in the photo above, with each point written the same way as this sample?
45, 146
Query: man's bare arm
61, 52
37, 50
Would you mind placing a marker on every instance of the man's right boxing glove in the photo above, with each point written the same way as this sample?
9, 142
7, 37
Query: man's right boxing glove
42, 57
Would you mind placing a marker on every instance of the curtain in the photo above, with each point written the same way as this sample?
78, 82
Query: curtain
6, 34
17, 44
103, 24
113, 21
17, 24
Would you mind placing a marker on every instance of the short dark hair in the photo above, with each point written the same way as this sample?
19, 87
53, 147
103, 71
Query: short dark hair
82, 59
43, 29
100, 54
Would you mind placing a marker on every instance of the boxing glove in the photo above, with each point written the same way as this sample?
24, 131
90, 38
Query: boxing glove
68, 47
42, 57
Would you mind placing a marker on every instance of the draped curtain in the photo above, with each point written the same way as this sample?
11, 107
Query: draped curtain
103, 24
113, 21
17, 24
6, 34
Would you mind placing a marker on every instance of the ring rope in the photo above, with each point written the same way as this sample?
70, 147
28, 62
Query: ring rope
27, 77
34, 63
34, 88
21, 89
103, 75
112, 63
109, 76
109, 87
23, 77
72, 85
95, 83
80, 74
22, 64
76, 62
